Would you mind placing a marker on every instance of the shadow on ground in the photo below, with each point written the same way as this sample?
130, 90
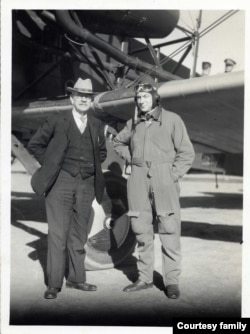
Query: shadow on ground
213, 200
26, 206
207, 231
39, 246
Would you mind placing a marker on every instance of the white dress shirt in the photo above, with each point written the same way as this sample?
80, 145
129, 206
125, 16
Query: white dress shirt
81, 120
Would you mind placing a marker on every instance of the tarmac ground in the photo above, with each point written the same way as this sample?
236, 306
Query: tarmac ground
210, 283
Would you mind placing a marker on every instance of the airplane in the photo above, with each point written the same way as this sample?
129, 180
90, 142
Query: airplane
51, 48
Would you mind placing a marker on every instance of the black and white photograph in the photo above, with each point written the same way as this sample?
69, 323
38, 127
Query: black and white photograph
123, 165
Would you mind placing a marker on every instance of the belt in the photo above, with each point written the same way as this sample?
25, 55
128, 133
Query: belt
149, 164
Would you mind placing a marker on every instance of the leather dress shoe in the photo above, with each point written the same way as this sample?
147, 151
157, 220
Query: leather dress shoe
172, 291
137, 286
81, 286
51, 293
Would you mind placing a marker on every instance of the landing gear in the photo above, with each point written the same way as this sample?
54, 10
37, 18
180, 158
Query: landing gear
110, 240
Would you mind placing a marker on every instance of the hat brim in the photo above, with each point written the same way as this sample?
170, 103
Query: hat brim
80, 91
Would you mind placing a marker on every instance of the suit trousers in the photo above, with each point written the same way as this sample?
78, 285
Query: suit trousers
169, 229
68, 209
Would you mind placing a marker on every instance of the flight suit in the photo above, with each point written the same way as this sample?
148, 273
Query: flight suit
160, 153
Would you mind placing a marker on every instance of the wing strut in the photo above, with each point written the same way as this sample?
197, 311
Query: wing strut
83, 34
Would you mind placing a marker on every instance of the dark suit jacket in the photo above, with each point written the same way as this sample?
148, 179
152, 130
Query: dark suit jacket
49, 145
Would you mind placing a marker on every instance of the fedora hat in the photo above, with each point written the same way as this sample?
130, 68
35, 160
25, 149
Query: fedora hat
82, 86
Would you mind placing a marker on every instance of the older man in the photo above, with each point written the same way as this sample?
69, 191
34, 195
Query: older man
70, 149
157, 146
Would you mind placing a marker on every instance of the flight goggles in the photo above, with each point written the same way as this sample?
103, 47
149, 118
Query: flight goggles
144, 87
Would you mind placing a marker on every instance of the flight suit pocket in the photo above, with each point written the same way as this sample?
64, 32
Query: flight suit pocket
167, 225
140, 226
176, 181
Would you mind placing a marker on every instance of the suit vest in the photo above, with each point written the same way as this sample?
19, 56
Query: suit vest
79, 157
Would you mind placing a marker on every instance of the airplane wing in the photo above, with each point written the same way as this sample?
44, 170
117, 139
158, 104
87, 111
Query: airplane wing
212, 108
213, 111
